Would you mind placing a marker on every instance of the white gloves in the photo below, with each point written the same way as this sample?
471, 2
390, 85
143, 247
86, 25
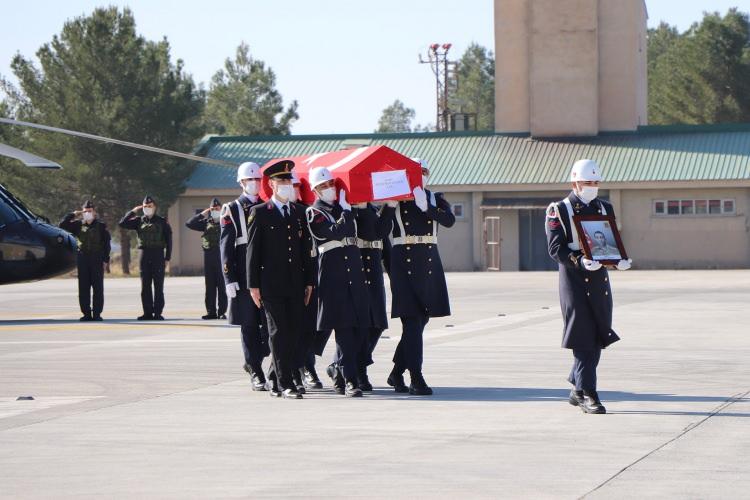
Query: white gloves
591, 265
420, 198
624, 265
232, 290
391, 203
342, 201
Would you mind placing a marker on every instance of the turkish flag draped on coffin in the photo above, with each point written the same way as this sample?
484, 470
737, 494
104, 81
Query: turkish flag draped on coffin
367, 174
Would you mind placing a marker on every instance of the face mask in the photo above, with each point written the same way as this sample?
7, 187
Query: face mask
284, 192
587, 194
215, 214
424, 180
295, 194
148, 211
88, 216
251, 188
328, 195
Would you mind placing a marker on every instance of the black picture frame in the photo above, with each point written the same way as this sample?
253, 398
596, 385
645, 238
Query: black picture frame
588, 226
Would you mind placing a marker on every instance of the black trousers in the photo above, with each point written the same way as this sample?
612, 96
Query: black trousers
91, 277
348, 347
409, 351
214, 282
152, 273
369, 341
284, 322
583, 373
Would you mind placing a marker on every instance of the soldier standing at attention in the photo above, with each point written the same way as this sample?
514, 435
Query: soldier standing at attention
585, 293
207, 222
233, 248
280, 274
92, 260
155, 242
418, 287
342, 290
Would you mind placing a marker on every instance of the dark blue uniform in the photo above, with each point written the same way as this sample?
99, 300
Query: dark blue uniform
585, 296
155, 243
242, 311
211, 263
93, 253
343, 298
418, 287
279, 264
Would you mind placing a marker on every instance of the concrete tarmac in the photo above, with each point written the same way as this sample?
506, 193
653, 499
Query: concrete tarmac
127, 409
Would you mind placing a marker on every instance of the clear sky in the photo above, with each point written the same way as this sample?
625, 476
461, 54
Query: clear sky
343, 60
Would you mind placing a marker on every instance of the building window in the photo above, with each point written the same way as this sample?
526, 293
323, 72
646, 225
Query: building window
694, 207
458, 210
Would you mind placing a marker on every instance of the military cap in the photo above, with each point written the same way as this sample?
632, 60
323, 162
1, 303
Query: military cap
215, 202
279, 170
88, 204
148, 199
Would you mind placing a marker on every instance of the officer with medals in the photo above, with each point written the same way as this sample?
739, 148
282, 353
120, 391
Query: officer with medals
307, 378
418, 287
207, 222
92, 259
373, 228
155, 242
342, 289
233, 248
585, 293
280, 274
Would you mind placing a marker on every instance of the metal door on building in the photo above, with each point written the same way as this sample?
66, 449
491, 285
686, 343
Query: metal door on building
492, 243
533, 242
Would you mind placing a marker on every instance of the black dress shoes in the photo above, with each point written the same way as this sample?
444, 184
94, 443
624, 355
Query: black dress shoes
352, 391
85, 317
337, 378
222, 316
291, 394
145, 317
396, 380
297, 379
310, 379
210, 316
258, 382
363, 382
591, 403
97, 318
273, 389
418, 386
158, 317
576, 397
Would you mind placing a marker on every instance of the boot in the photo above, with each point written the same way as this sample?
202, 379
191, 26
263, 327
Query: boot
592, 404
418, 386
310, 378
337, 378
396, 380
297, 380
363, 382
351, 390
575, 398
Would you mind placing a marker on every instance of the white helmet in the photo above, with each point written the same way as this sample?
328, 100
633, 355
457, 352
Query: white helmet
585, 170
422, 163
318, 176
248, 170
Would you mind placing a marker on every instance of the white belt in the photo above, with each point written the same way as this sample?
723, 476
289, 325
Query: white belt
414, 240
377, 244
330, 245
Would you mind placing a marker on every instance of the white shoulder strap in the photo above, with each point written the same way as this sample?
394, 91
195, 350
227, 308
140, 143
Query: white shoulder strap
240, 226
574, 243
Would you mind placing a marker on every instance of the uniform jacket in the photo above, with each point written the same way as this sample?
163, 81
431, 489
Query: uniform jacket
585, 296
134, 222
74, 227
375, 225
201, 223
278, 251
343, 299
418, 285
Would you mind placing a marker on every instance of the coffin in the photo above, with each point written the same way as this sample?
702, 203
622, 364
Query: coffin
371, 173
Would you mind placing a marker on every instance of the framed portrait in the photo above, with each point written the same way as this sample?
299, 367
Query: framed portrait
600, 240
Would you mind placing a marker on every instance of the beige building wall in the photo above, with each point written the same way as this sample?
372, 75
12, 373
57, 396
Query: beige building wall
456, 243
672, 242
570, 67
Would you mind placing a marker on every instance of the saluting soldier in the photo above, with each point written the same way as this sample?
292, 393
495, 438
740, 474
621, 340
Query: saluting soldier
208, 223
585, 293
233, 248
155, 242
92, 259
373, 228
418, 288
280, 274
342, 289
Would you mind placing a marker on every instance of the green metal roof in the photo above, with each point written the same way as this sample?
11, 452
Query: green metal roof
675, 153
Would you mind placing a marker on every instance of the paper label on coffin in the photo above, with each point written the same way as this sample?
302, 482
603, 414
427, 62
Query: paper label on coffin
389, 184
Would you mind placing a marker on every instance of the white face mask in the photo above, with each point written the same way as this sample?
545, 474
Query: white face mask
328, 195
215, 214
88, 216
284, 192
251, 188
587, 194
424, 180
294, 196
148, 211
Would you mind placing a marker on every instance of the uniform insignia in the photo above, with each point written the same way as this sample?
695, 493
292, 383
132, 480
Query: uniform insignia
226, 269
226, 216
250, 217
553, 223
